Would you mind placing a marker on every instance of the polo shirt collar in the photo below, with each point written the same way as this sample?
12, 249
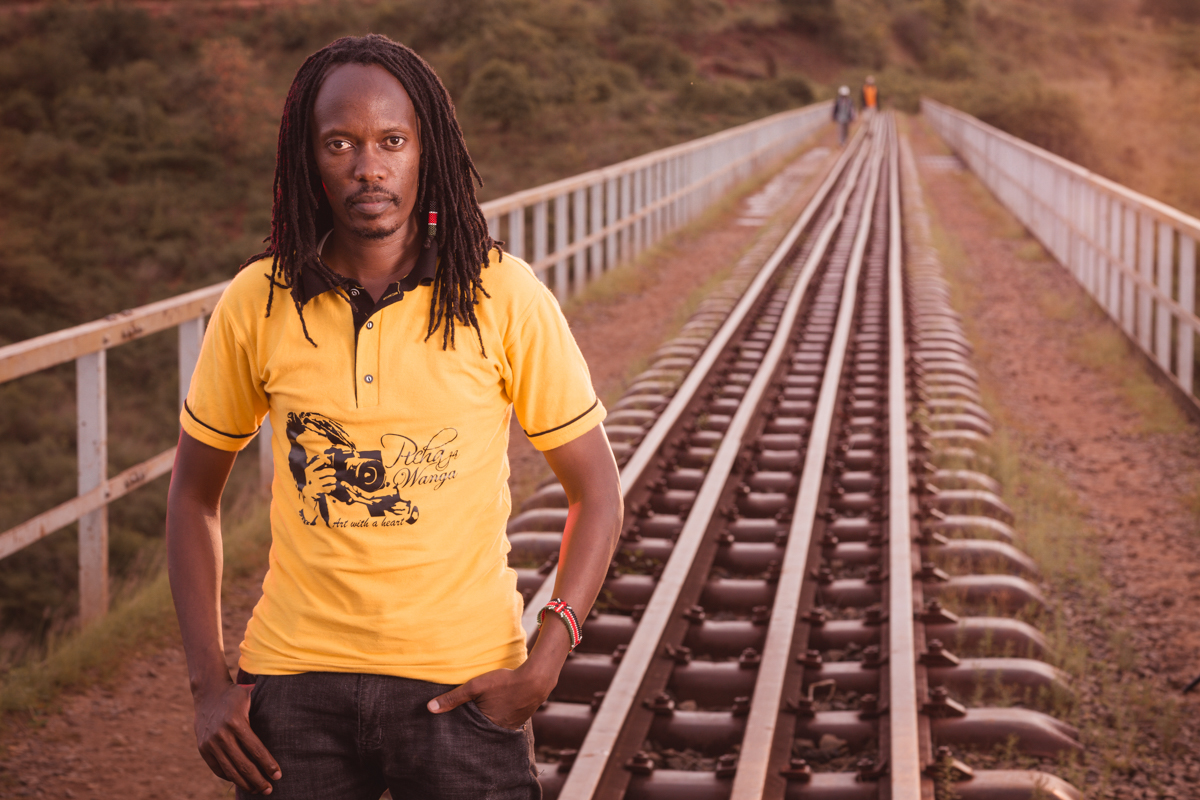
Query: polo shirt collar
422, 274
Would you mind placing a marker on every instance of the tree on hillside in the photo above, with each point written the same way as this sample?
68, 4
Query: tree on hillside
1167, 10
818, 17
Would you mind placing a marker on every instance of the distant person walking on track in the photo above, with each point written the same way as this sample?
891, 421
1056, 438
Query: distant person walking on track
843, 113
870, 94
389, 340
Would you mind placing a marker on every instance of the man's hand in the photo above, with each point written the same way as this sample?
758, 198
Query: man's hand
227, 744
508, 697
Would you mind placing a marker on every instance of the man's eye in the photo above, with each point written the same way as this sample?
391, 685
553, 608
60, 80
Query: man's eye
395, 141
338, 145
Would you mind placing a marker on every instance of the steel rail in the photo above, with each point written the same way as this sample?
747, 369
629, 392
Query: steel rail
654, 438
754, 763
593, 755
905, 756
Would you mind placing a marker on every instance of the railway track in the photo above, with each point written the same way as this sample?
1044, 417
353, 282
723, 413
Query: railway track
816, 592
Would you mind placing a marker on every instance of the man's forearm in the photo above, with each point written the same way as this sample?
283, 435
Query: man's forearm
589, 541
194, 561
194, 556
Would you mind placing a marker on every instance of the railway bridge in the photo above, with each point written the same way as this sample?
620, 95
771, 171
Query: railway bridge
819, 591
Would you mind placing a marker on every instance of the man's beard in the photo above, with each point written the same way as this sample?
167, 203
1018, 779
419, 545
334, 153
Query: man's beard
374, 234
367, 231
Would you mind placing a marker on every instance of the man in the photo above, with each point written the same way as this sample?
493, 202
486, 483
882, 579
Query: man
843, 113
386, 651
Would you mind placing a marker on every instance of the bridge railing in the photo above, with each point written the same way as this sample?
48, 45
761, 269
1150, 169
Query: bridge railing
571, 231
1135, 256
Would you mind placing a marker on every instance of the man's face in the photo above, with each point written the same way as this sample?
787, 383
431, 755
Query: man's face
366, 142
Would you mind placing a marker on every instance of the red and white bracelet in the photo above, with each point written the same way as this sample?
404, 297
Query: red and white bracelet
567, 615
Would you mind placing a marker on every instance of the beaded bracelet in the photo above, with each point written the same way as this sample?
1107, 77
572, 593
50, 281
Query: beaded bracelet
567, 614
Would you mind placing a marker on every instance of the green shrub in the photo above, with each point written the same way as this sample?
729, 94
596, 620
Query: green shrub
656, 59
798, 89
915, 32
22, 111
1166, 10
115, 35
953, 62
1187, 47
818, 17
715, 97
900, 89
635, 16
782, 93
501, 92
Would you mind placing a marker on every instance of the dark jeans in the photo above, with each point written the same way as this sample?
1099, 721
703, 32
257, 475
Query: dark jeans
349, 737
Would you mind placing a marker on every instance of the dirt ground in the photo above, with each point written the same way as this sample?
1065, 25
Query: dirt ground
132, 737
1131, 458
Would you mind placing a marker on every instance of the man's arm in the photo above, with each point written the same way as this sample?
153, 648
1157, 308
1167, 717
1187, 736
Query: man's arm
194, 561
588, 472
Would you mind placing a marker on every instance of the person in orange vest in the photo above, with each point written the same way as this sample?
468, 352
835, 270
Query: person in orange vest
870, 94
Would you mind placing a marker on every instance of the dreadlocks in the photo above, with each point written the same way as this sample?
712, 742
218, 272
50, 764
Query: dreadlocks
446, 185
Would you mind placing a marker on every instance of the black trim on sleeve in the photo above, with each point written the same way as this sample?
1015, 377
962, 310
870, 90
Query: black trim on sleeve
552, 430
231, 435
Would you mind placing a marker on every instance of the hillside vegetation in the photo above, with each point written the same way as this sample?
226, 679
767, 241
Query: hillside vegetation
136, 153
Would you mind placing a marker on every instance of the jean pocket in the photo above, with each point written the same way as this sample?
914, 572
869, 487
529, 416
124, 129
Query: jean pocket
484, 720
256, 694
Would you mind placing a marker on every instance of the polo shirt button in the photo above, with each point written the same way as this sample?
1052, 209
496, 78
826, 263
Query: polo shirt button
368, 379
370, 325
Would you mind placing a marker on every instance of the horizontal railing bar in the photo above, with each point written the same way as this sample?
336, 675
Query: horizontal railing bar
64, 514
52, 349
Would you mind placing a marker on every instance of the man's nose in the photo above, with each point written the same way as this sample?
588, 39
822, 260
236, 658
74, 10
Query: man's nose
370, 166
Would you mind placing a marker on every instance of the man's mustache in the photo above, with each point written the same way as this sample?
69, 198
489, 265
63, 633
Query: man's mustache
375, 192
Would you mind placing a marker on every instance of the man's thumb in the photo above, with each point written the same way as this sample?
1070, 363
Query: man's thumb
450, 700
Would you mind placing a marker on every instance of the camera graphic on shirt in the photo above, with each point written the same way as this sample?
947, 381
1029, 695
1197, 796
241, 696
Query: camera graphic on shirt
361, 478
332, 475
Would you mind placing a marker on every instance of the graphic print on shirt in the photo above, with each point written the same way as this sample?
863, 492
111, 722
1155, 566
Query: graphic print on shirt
338, 482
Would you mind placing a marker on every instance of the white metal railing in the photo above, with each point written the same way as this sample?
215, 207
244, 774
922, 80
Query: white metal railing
1135, 256
570, 231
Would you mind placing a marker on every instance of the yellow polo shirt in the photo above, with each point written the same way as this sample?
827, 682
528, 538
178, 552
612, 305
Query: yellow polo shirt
390, 494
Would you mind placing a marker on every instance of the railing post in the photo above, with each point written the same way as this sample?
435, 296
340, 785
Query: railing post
624, 208
1187, 299
191, 336
561, 280
579, 220
1145, 265
639, 191
1129, 261
91, 397
1163, 314
1112, 256
610, 219
516, 232
539, 238
596, 269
